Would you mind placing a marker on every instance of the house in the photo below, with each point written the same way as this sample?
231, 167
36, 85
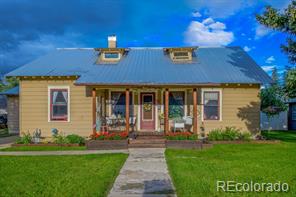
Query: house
12, 109
292, 114
150, 89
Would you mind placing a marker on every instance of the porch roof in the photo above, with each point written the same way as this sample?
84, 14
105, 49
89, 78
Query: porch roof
149, 66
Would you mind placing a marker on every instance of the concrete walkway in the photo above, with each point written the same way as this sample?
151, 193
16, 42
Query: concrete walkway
68, 152
7, 141
145, 174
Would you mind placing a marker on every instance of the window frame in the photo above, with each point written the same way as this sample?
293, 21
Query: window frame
50, 89
212, 90
111, 59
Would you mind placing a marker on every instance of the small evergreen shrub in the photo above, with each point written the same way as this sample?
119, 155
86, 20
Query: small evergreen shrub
75, 139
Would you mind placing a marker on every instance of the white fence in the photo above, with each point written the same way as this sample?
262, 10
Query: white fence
277, 122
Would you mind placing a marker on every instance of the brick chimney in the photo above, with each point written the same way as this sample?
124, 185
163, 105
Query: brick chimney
112, 41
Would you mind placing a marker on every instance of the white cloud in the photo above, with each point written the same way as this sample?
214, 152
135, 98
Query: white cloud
208, 21
270, 60
217, 26
247, 49
261, 31
208, 33
196, 14
268, 68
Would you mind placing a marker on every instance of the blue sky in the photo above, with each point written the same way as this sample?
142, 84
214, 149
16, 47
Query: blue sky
31, 28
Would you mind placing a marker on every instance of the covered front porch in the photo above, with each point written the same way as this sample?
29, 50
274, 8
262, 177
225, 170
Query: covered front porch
144, 109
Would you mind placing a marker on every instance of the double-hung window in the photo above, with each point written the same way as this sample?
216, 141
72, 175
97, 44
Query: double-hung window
59, 104
211, 105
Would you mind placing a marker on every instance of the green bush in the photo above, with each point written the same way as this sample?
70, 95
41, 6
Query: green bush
228, 134
75, 139
215, 134
246, 136
60, 139
25, 139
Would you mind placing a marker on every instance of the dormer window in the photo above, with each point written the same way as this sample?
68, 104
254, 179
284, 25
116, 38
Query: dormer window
110, 55
115, 56
182, 54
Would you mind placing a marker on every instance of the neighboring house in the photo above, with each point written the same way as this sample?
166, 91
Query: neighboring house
12, 109
143, 89
292, 114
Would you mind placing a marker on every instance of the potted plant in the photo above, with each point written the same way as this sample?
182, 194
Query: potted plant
36, 136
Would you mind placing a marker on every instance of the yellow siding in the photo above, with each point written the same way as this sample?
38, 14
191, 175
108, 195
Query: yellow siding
240, 108
34, 108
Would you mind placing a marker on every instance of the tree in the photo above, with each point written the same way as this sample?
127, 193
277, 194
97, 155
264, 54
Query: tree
272, 101
275, 76
10, 83
284, 22
290, 83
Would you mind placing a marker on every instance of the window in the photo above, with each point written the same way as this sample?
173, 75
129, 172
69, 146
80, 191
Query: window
111, 56
181, 55
176, 104
59, 104
211, 105
118, 104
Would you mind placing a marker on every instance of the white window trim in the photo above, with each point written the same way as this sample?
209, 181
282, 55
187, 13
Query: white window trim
220, 102
48, 96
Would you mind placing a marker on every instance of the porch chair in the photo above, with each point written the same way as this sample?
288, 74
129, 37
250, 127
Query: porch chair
179, 124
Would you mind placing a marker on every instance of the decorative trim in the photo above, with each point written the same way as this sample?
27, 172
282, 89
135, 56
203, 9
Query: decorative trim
220, 102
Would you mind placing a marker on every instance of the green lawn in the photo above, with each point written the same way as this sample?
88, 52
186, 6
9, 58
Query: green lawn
195, 173
84, 175
287, 136
43, 148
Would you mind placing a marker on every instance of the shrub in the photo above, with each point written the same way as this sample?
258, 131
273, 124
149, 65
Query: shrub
109, 136
60, 139
246, 136
181, 136
26, 138
229, 133
75, 139
215, 134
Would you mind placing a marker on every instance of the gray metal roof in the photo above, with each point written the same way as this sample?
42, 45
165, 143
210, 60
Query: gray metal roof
149, 66
12, 91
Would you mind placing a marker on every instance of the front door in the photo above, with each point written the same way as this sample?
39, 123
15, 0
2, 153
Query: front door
147, 111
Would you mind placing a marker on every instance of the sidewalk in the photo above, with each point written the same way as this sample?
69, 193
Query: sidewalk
7, 141
145, 174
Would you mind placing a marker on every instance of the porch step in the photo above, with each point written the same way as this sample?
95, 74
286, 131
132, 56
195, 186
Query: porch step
146, 145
